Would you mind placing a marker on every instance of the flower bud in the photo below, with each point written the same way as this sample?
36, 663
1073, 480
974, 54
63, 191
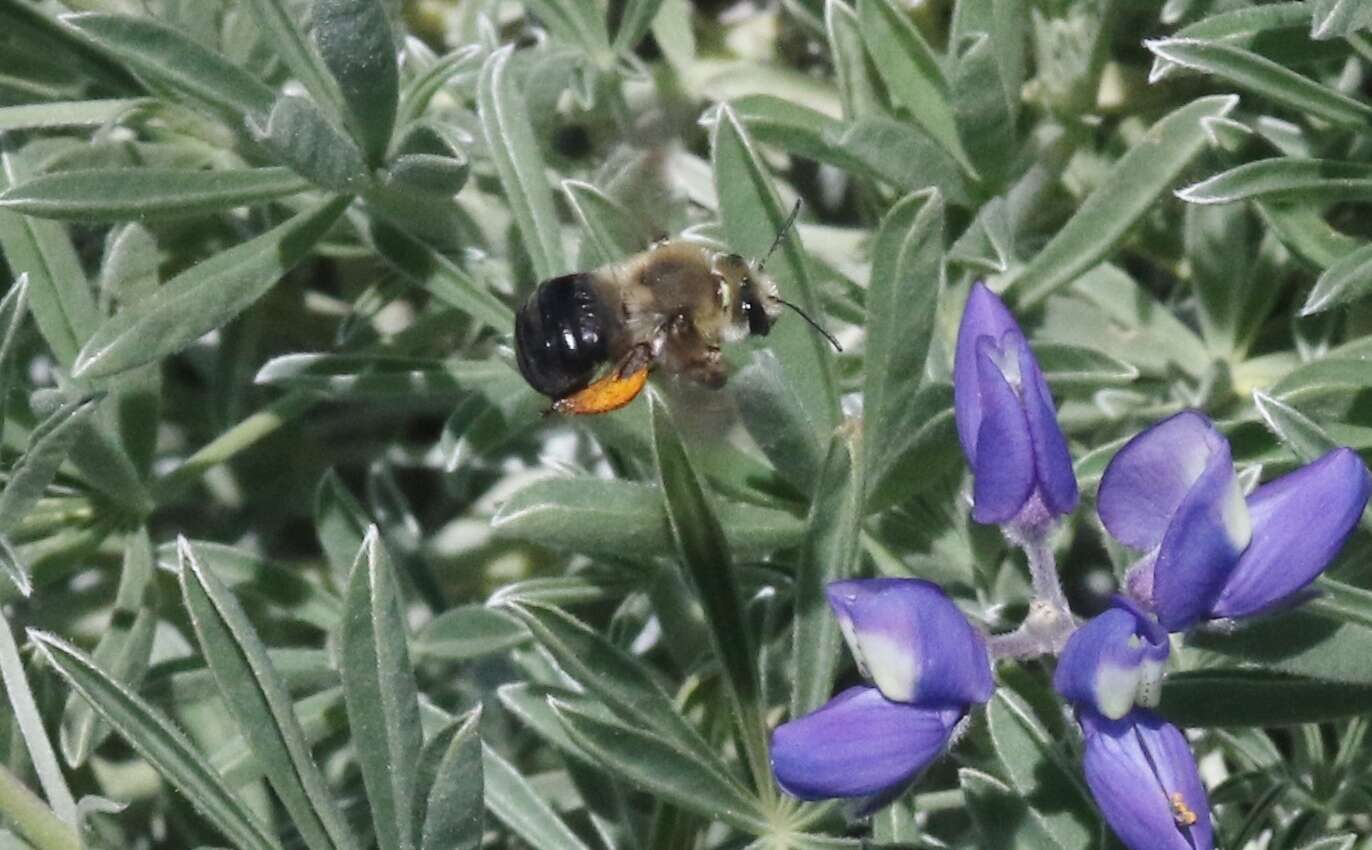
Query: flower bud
1114, 662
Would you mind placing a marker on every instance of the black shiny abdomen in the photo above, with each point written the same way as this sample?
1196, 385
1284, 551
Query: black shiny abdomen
560, 335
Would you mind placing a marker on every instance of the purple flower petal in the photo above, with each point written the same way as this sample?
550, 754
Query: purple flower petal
1144, 779
1147, 479
1208, 532
1057, 482
1003, 475
1114, 661
1300, 521
859, 744
985, 315
913, 642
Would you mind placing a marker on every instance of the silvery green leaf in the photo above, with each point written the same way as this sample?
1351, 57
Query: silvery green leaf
514, 801
29, 724
425, 172
453, 812
355, 41
302, 138
147, 193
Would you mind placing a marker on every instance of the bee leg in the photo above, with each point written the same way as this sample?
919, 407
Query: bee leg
621, 386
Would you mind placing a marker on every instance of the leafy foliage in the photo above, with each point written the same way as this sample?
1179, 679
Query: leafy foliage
292, 559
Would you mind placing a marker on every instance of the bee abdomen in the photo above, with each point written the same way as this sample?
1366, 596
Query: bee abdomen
561, 336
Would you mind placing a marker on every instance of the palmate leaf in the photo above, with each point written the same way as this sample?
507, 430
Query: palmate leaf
159, 741
258, 702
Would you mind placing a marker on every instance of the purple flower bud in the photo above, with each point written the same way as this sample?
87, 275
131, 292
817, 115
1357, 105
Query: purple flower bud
1172, 491
912, 641
1143, 777
1114, 662
1005, 418
859, 744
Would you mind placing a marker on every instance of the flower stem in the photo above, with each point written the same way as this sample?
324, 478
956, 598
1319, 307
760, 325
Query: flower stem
1043, 571
1050, 622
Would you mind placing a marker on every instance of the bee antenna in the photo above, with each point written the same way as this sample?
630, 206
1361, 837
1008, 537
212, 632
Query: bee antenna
781, 234
813, 324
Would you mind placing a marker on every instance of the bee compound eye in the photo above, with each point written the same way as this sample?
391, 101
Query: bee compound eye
758, 323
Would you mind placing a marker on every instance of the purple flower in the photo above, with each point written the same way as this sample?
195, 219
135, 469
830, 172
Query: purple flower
1144, 780
859, 744
1171, 491
909, 638
1114, 662
929, 665
1006, 423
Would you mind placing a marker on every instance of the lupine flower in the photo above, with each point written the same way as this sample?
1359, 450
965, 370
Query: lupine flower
1114, 662
1006, 422
929, 665
1144, 779
1171, 491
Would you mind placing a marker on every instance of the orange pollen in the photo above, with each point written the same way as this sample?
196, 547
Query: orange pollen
1181, 813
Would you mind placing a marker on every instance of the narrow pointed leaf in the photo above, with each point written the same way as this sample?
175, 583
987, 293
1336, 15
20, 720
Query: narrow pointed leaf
158, 740
649, 763
1218, 698
1136, 181
383, 703
453, 819
142, 193
1348, 279
612, 231
519, 163
67, 113
300, 136
511, 798
259, 704
1285, 179
355, 41
280, 28
204, 297
49, 446
440, 276
29, 724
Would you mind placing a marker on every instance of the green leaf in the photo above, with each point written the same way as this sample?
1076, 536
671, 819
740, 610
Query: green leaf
143, 193
663, 770
13, 309
615, 678
1297, 431
49, 446
420, 91
753, 216
1285, 179
705, 559
911, 71
612, 231
1338, 18
830, 552
1302, 643
14, 569
124, 649
1240, 27
1265, 78
778, 420
383, 703
919, 456
452, 819
341, 524
1040, 774
579, 22
623, 519
59, 295
355, 41
984, 108
514, 150
280, 28
164, 54
1330, 376
440, 176
1073, 367
1302, 228
513, 800
634, 23
159, 741
68, 113
204, 297
299, 135
1121, 199
1002, 818
902, 299
259, 704
857, 78
469, 631
439, 276
28, 723
1348, 279
366, 376
1210, 698
874, 147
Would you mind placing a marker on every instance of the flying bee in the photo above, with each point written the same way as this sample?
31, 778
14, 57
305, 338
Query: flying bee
670, 307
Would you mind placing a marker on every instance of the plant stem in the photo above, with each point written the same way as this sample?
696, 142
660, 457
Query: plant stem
1049, 623
34, 820
1043, 571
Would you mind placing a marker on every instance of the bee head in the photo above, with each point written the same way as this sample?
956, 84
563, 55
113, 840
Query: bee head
749, 298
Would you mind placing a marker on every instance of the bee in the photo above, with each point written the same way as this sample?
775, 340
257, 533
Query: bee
670, 307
